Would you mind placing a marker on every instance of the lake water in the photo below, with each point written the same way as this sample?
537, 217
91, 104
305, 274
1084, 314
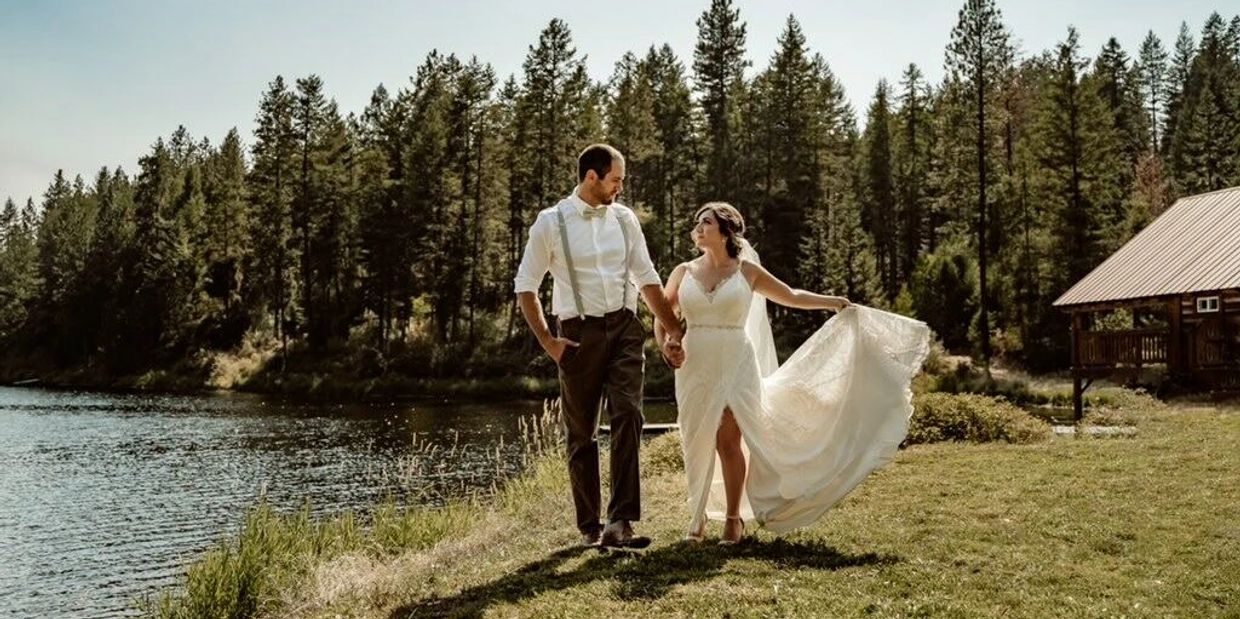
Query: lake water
105, 498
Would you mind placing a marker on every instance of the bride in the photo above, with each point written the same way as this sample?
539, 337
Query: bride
808, 431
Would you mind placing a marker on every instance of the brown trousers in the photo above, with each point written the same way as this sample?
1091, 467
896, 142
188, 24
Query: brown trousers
607, 369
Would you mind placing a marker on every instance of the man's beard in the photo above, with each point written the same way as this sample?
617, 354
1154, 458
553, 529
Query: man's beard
601, 197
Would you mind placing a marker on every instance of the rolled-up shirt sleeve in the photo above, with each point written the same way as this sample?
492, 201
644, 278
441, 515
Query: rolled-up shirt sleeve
641, 268
536, 260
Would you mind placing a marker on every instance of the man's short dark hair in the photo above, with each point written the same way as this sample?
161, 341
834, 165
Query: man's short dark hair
597, 157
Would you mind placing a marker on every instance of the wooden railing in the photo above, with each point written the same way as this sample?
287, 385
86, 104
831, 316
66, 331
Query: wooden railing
1134, 347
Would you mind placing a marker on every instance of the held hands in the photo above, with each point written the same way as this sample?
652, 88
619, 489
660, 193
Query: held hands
671, 349
673, 353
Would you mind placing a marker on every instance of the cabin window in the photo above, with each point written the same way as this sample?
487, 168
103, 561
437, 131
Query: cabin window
1207, 304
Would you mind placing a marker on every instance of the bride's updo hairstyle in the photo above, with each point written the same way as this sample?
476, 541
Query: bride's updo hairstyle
731, 224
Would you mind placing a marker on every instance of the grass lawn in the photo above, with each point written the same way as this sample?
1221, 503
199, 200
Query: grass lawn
1142, 526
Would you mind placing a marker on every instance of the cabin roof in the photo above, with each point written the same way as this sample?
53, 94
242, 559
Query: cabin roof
1193, 247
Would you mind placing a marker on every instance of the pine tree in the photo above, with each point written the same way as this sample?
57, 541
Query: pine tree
184, 297
18, 269
953, 167
515, 122
1177, 81
1203, 151
1233, 38
912, 168
384, 233
182, 149
791, 187
271, 288
493, 180
833, 136
8, 220
558, 98
851, 268
333, 246
111, 255
979, 57
1117, 84
556, 114
64, 235
1078, 153
718, 77
1018, 266
473, 126
673, 170
227, 222
1152, 81
56, 240
631, 125
149, 291
879, 215
432, 185
309, 120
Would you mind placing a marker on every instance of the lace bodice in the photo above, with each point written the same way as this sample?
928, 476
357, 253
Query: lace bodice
726, 306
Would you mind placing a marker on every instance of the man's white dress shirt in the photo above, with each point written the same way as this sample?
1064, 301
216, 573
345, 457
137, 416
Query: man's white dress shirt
598, 255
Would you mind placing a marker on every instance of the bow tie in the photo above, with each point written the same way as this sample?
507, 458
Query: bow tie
592, 212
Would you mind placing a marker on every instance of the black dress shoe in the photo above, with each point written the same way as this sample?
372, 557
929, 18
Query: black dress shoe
619, 534
590, 538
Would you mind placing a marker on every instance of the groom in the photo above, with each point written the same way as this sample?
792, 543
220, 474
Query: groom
596, 252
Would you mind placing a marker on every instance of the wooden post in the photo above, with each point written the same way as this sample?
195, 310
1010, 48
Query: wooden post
1078, 404
1077, 327
1078, 397
1175, 350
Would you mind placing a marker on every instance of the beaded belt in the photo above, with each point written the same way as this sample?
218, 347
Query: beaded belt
709, 326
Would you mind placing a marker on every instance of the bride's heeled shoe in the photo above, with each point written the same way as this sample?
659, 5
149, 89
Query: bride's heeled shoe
696, 537
728, 541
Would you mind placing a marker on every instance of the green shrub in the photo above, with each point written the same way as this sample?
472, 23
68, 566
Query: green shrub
1107, 417
975, 418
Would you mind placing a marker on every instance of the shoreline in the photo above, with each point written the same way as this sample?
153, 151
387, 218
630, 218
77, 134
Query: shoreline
318, 386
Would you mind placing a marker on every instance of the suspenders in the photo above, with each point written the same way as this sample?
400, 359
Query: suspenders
572, 273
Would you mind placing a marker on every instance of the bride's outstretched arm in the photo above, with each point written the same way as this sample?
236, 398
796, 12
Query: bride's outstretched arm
772, 288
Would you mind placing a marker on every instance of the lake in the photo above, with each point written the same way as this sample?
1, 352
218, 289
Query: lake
105, 498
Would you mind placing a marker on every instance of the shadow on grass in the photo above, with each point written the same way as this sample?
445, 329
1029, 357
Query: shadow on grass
634, 575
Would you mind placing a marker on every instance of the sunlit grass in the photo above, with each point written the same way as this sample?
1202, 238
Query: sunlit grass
1145, 526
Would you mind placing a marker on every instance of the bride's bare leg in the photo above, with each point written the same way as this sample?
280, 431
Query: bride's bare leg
728, 444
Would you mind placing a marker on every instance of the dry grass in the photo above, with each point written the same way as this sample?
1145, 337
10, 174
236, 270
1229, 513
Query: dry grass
231, 370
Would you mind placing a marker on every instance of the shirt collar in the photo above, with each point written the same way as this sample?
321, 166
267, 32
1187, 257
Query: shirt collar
580, 205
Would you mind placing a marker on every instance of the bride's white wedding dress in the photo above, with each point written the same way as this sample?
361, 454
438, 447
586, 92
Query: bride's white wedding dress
813, 427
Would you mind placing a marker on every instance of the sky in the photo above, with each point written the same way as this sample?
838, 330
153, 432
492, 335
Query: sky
92, 83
